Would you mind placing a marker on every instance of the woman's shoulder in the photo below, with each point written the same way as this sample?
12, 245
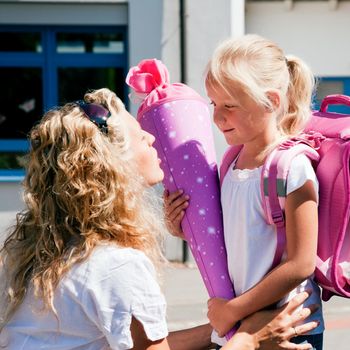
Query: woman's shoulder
110, 252
114, 256
110, 262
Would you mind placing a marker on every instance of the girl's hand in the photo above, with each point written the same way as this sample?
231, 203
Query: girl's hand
220, 315
175, 204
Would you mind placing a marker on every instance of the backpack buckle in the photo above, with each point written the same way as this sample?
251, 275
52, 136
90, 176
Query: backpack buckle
278, 218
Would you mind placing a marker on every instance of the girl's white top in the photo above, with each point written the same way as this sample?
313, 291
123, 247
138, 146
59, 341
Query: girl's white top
95, 302
250, 242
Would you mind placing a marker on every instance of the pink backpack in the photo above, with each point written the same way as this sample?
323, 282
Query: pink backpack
326, 141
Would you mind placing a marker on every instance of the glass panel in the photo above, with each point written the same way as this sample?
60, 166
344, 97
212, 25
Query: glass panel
331, 87
90, 43
12, 160
20, 42
21, 102
74, 82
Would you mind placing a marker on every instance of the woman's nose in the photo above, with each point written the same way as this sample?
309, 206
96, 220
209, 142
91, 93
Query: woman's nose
151, 139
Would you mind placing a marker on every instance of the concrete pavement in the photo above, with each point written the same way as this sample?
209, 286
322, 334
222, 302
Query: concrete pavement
186, 297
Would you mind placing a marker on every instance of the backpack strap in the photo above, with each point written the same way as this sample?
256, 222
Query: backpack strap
273, 184
229, 156
274, 187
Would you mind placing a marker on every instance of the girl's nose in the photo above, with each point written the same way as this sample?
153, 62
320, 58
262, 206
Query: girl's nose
217, 117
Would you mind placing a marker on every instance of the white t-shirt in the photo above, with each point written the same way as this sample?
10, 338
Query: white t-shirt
95, 302
250, 242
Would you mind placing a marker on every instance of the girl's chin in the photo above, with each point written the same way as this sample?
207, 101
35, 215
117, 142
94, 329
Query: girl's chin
232, 142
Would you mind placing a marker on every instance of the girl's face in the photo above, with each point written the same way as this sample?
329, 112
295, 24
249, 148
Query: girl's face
241, 120
144, 153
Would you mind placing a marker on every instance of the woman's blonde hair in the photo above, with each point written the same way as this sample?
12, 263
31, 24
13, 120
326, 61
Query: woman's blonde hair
80, 189
258, 66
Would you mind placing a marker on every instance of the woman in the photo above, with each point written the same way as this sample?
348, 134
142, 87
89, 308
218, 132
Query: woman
79, 264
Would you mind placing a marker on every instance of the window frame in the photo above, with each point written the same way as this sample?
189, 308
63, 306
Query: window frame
50, 61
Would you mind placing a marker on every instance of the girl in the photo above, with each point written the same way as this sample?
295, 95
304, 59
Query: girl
78, 264
260, 98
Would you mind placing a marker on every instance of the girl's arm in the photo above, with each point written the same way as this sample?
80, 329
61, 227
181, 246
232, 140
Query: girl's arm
301, 234
270, 330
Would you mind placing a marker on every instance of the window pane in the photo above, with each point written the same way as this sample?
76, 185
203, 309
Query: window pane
20, 101
331, 87
20, 42
12, 160
90, 43
74, 82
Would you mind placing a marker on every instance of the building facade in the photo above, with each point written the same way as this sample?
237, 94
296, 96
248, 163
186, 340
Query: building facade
51, 52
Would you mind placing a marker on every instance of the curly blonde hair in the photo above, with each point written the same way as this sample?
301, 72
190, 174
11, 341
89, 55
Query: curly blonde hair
80, 189
256, 66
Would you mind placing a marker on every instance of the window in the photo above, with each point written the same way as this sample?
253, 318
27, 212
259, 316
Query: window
330, 86
90, 42
20, 41
45, 66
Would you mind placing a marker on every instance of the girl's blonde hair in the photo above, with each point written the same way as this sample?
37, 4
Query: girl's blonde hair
258, 66
80, 189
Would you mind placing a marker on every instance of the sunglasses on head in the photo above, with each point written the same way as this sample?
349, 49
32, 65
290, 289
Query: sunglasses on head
96, 113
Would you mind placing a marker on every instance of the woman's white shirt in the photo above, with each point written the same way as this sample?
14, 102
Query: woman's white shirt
95, 302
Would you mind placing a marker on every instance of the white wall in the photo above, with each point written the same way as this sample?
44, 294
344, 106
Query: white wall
62, 12
208, 23
154, 33
10, 204
311, 30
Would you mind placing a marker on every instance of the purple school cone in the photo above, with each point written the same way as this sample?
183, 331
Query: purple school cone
179, 119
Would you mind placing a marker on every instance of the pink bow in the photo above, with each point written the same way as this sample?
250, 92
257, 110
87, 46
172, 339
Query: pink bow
148, 75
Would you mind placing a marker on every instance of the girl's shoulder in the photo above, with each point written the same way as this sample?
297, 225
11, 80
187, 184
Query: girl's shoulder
301, 164
300, 171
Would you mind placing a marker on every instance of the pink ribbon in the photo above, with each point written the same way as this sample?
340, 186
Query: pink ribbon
148, 75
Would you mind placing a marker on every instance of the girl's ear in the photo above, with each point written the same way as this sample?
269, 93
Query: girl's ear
275, 100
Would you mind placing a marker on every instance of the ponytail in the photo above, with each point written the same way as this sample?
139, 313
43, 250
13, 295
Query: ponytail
299, 96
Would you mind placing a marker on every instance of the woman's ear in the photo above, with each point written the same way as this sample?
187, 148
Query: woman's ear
275, 100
